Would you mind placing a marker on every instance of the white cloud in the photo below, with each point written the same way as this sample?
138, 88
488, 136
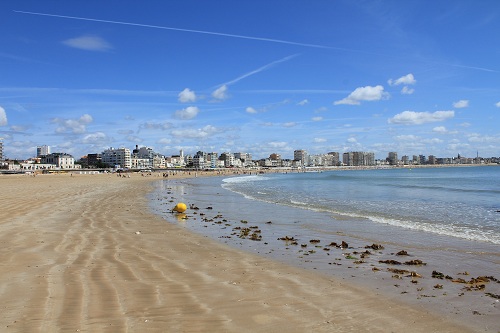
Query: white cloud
277, 144
352, 140
187, 96
367, 93
164, 141
303, 102
89, 43
75, 126
267, 107
418, 118
317, 118
319, 140
432, 141
155, 126
478, 138
409, 137
95, 138
220, 93
18, 128
290, 124
188, 113
200, 133
497, 104
133, 138
463, 103
407, 91
406, 80
3, 117
440, 129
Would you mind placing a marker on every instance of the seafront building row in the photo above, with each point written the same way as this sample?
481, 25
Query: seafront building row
145, 158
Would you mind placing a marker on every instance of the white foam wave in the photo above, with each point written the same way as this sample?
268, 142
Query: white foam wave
445, 230
244, 179
299, 203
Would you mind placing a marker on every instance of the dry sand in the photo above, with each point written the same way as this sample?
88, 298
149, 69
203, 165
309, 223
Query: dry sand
83, 253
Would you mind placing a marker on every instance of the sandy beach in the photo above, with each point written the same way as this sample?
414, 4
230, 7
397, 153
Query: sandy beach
83, 253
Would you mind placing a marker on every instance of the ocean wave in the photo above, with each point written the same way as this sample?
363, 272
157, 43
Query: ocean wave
454, 220
446, 230
244, 179
462, 232
299, 203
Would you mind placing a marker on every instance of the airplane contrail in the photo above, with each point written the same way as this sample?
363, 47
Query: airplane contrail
184, 30
271, 40
258, 70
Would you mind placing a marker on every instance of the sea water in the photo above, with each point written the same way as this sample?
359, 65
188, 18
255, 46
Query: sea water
458, 202
447, 217
452, 211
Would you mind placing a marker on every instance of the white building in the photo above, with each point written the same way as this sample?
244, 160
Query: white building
42, 150
199, 161
141, 163
228, 159
114, 157
60, 160
159, 161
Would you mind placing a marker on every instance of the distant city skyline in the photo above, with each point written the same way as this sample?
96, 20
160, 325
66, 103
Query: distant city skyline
298, 154
262, 77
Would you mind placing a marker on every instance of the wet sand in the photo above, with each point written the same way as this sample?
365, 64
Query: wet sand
84, 253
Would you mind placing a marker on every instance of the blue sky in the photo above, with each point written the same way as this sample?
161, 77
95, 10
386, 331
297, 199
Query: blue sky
415, 77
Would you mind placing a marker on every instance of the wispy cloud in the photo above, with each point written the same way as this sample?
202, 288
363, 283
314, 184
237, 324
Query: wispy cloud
260, 69
88, 43
266, 107
281, 41
463, 103
471, 67
220, 93
3, 117
75, 126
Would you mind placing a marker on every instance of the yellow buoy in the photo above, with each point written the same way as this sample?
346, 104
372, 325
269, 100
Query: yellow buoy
180, 207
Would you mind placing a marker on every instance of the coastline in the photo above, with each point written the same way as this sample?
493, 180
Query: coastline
460, 260
84, 253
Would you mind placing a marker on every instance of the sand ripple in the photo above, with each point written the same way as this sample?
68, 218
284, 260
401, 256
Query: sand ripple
83, 253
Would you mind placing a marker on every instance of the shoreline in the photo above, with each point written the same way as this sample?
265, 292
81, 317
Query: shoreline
84, 253
459, 260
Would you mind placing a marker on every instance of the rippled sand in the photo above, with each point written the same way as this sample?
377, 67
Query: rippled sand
83, 253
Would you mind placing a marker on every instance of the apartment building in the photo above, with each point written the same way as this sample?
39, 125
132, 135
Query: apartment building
301, 155
42, 150
117, 157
